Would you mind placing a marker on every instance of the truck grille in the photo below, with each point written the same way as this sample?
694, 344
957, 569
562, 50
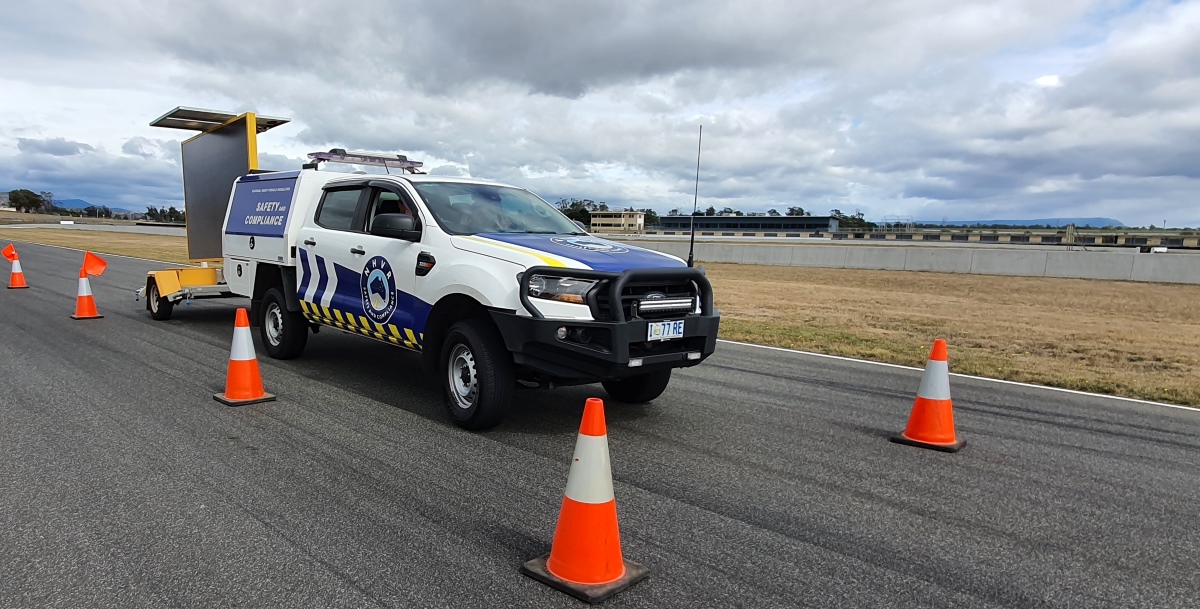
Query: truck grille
651, 300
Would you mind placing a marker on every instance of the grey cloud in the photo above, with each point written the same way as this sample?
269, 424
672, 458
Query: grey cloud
888, 107
53, 146
120, 181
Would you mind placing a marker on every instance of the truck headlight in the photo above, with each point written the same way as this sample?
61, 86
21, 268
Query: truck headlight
562, 289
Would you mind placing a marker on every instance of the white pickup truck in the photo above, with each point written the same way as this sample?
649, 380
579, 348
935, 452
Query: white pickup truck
492, 284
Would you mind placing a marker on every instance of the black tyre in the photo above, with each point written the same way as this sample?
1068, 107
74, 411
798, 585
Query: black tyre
160, 308
284, 333
477, 374
638, 389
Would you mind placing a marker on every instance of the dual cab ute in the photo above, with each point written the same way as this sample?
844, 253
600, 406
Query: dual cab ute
493, 285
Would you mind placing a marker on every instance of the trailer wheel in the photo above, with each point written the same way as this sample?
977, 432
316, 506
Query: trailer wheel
638, 389
160, 308
477, 374
284, 333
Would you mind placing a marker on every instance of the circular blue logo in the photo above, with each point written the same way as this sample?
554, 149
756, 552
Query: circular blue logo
378, 290
591, 245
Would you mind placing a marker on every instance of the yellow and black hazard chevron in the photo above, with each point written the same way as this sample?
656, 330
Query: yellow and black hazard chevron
404, 337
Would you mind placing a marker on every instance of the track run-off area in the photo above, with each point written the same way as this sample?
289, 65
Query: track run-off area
761, 478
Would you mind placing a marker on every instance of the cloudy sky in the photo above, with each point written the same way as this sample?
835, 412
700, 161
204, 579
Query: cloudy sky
929, 109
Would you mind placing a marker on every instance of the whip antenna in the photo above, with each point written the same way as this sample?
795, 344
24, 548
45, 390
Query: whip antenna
695, 199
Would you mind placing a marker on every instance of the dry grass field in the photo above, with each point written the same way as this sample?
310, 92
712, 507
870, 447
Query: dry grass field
1131, 339
154, 247
1123, 338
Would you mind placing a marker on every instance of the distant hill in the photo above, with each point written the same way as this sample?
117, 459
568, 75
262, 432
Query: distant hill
1080, 222
81, 204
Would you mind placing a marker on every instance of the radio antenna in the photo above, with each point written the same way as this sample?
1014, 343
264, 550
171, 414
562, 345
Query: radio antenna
695, 200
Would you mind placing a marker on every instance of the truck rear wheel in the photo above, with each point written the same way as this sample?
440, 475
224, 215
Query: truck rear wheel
477, 374
160, 308
284, 333
638, 389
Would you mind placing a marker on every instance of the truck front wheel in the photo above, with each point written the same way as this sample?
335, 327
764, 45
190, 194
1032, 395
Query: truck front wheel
638, 389
284, 333
477, 374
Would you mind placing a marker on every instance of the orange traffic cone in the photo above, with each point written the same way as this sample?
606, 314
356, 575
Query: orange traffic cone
85, 304
931, 424
243, 383
585, 559
17, 279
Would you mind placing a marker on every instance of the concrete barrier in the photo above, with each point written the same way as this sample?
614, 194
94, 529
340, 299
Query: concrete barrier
1008, 262
938, 260
777, 255
880, 258
725, 253
826, 256
1125, 266
1092, 265
1168, 268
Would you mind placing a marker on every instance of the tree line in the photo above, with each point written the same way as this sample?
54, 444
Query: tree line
29, 202
169, 214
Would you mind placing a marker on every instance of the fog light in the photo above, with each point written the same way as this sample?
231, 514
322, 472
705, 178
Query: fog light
635, 362
694, 355
561, 332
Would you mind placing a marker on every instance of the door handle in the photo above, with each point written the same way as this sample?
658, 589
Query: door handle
310, 241
358, 250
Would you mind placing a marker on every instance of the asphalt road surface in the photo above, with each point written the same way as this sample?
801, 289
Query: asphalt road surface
760, 479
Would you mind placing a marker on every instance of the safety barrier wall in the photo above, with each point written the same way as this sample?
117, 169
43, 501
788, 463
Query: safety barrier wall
1124, 266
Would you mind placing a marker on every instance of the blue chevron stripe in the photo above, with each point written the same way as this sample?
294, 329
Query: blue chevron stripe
305, 273
322, 279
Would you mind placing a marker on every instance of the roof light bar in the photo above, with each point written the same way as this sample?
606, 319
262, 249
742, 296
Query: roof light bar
379, 159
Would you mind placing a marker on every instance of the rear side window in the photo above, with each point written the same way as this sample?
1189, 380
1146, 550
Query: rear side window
337, 209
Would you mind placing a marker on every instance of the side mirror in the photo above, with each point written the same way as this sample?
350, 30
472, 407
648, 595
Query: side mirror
583, 227
395, 226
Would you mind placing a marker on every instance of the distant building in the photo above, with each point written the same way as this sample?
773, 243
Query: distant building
757, 224
625, 222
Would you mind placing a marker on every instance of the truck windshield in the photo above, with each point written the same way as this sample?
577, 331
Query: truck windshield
466, 209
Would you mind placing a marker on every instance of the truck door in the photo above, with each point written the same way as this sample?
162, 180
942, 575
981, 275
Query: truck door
388, 280
328, 285
355, 280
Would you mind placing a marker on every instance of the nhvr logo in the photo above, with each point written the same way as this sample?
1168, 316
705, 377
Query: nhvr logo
591, 245
378, 290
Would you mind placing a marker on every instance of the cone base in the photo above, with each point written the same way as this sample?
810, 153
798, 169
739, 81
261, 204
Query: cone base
266, 397
17, 287
87, 317
591, 593
953, 447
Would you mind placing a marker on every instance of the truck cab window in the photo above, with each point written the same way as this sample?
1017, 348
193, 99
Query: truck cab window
337, 209
386, 202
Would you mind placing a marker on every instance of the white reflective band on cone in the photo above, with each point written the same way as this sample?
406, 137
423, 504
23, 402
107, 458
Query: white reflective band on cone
935, 384
16, 266
590, 480
243, 345
85, 288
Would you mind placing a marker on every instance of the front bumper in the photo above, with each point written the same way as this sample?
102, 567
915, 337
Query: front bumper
611, 344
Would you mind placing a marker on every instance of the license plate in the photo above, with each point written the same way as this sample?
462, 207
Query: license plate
663, 330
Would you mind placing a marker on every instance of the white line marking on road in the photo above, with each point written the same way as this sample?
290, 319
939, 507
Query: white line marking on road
965, 376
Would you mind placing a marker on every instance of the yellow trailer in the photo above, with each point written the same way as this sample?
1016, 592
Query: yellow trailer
225, 149
168, 287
